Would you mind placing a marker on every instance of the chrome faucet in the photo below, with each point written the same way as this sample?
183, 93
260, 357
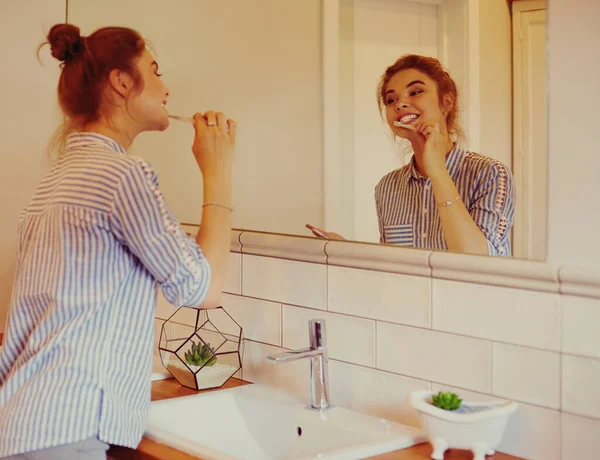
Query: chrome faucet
317, 352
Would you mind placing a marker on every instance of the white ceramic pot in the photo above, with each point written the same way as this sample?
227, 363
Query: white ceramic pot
478, 427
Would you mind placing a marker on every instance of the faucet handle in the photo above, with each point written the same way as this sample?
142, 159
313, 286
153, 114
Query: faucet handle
317, 333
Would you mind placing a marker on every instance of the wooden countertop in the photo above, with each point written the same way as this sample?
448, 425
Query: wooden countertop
166, 389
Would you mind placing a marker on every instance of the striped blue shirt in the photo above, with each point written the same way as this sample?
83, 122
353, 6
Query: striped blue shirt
94, 244
408, 213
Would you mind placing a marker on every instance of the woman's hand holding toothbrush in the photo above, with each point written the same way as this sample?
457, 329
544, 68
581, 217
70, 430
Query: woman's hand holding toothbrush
214, 149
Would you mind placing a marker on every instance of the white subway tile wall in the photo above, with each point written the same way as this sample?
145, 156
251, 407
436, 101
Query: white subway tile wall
259, 319
374, 392
435, 356
348, 339
402, 299
580, 318
580, 437
526, 374
391, 333
293, 377
581, 386
286, 281
233, 282
515, 316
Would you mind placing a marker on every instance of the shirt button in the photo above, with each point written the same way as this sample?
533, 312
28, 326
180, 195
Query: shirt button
424, 235
425, 210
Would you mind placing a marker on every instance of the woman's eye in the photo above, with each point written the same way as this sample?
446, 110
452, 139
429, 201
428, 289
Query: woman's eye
159, 74
390, 101
416, 92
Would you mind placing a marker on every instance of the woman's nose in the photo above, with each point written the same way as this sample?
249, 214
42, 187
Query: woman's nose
401, 105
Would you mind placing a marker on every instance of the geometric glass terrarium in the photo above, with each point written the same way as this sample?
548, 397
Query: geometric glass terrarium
201, 348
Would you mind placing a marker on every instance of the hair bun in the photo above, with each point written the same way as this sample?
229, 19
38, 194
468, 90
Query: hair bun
65, 41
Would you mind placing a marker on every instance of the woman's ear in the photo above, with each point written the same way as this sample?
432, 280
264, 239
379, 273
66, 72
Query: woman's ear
448, 103
120, 82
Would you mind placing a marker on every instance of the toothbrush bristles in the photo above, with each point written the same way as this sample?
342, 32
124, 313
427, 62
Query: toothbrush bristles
403, 125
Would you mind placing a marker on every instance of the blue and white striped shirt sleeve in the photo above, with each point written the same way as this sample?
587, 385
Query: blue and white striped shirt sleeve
493, 207
143, 222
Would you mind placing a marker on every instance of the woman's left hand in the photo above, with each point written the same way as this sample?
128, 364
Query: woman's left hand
435, 148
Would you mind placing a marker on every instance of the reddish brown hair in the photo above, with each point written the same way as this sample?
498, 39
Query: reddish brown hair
86, 65
434, 70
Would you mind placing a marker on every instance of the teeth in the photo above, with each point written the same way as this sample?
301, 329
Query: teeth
407, 118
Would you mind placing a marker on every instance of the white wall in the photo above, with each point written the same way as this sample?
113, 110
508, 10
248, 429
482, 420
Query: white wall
29, 116
259, 61
495, 80
574, 153
453, 46
373, 34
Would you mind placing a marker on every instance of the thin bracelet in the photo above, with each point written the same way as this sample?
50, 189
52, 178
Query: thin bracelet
218, 204
448, 203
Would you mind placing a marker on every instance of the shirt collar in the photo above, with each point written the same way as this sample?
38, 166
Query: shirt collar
453, 162
79, 140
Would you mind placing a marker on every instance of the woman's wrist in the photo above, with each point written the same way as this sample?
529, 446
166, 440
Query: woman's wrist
218, 189
439, 175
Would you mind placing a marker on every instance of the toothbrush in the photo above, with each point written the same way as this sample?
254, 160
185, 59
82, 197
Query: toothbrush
184, 119
403, 125
187, 120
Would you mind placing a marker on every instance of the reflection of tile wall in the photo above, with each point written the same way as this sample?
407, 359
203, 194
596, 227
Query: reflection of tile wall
391, 333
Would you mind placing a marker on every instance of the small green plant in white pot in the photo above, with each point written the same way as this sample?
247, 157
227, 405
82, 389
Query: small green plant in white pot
446, 401
451, 423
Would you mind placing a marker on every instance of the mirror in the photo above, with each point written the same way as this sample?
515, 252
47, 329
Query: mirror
300, 78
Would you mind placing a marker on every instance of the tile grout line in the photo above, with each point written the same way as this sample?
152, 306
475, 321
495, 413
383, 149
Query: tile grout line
561, 357
375, 346
241, 274
281, 325
560, 381
587, 417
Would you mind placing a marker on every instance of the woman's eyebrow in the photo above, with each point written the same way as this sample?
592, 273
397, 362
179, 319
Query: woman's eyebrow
414, 82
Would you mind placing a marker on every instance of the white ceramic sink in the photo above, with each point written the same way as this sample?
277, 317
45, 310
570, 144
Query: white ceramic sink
258, 422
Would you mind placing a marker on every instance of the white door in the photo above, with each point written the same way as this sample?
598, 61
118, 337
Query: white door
530, 162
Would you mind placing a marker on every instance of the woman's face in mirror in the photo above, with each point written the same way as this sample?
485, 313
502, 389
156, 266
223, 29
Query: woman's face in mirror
411, 97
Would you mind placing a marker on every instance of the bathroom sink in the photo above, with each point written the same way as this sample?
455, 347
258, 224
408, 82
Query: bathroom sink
258, 422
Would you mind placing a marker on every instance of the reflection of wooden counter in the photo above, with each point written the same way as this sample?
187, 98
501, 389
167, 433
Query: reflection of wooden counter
166, 389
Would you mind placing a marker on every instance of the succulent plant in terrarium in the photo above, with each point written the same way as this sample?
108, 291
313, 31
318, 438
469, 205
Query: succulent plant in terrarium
446, 401
200, 354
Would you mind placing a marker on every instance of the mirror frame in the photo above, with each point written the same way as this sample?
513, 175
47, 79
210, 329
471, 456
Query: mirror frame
503, 272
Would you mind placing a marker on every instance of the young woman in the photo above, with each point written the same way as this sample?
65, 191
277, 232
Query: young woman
446, 198
95, 242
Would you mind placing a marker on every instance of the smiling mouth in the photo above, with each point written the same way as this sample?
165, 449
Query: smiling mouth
408, 118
